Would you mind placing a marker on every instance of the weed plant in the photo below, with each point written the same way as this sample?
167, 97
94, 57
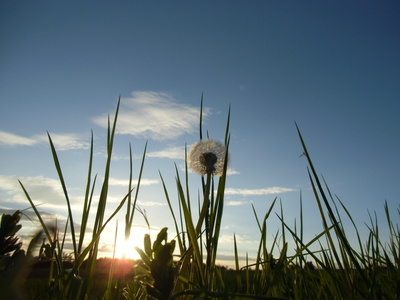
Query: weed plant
185, 267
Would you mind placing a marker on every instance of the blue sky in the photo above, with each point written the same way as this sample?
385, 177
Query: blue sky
331, 66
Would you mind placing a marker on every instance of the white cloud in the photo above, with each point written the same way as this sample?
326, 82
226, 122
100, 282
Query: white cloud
172, 153
154, 115
10, 139
258, 192
44, 192
150, 203
236, 203
68, 141
232, 171
39, 188
229, 238
62, 142
125, 182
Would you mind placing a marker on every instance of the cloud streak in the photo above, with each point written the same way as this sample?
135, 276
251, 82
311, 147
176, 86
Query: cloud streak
62, 142
44, 192
40, 188
155, 116
125, 182
70, 141
236, 203
171, 153
258, 192
10, 139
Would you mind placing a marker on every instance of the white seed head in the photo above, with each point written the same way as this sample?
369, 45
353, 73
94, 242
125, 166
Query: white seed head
207, 157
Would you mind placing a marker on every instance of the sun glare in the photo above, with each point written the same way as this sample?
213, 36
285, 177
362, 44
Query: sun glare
126, 248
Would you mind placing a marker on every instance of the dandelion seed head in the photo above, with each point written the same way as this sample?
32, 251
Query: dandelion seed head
207, 157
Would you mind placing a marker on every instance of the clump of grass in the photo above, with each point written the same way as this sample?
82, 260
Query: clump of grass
70, 283
209, 159
336, 269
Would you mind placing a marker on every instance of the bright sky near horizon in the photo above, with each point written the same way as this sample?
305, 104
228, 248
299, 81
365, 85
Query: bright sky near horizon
331, 66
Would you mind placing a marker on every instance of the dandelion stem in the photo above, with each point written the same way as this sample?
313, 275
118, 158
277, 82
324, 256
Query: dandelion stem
203, 213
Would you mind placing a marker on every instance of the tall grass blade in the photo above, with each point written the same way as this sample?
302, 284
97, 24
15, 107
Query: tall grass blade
61, 177
95, 239
341, 236
130, 210
201, 118
129, 202
237, 269
44, 226
88, 198
101, 207
108, 295
193, 234
181, 248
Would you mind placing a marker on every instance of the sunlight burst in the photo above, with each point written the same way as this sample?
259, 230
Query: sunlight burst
126, 248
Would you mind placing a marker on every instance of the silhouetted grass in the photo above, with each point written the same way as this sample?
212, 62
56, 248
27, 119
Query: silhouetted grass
329, 266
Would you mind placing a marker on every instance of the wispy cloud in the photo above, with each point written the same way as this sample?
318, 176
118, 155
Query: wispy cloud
62, 142
151, 203
125, 182
258, 192
229, 239
172, 153
154, 115
69, 141
236, 203
10, 139
232, 171
41, 189
44, 191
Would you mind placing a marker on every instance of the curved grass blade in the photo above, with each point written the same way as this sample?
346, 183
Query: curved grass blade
62, 181
129, 217
181, 248
88, 198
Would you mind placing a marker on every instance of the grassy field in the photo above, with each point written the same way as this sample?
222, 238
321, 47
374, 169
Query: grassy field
329, 266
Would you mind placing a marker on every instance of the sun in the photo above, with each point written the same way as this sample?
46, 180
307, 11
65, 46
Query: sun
126, 248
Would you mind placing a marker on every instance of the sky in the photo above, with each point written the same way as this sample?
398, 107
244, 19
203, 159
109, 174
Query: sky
333, 67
